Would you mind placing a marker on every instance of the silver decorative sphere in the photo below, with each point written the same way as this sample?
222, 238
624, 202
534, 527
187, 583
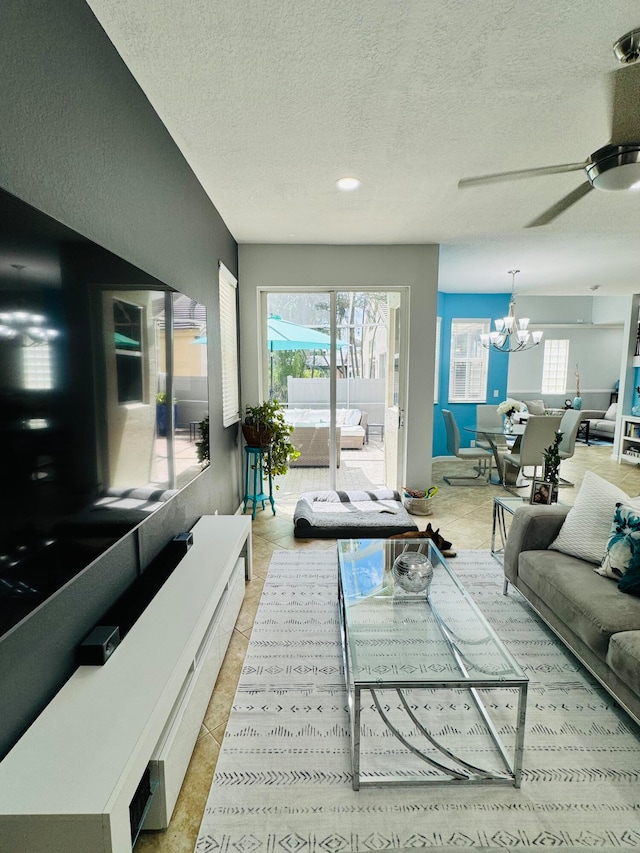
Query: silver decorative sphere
413, 572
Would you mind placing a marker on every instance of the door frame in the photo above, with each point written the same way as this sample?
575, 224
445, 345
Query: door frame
331, 291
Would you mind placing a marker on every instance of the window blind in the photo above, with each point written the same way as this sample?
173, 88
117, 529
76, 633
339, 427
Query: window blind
228, 288
469, 362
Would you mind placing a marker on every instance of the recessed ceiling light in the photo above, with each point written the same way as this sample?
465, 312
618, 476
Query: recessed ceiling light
347, 184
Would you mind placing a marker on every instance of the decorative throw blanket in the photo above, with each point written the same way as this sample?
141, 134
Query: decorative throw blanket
330, 515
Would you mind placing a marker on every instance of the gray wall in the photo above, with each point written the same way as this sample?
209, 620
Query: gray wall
298, 267
80, 141
595, 345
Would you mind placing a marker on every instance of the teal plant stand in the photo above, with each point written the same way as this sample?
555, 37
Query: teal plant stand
254, 480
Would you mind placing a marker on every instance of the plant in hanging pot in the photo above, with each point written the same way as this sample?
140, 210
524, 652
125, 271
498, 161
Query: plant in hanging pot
264, 426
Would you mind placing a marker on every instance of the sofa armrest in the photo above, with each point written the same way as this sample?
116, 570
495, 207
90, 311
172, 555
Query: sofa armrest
592, 414
533, 529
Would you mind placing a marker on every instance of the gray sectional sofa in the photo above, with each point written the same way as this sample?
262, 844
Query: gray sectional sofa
598, 623
602, 424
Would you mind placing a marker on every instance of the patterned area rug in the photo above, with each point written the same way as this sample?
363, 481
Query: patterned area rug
283, 782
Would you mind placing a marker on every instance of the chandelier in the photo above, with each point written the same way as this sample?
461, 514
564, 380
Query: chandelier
511, 334
25, 327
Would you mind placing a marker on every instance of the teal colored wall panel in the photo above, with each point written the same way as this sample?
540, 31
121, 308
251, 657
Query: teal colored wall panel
457, 306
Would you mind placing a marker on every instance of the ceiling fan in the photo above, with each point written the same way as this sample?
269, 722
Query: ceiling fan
615, 166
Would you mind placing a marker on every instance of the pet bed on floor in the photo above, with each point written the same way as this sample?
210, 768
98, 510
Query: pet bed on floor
341, 515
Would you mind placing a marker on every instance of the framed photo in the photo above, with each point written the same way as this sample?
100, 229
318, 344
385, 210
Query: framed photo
543, 492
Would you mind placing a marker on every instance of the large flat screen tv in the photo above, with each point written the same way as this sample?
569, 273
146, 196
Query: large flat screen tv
103, 386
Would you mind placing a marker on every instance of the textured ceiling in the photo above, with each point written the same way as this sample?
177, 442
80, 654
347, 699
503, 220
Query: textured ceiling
271, 101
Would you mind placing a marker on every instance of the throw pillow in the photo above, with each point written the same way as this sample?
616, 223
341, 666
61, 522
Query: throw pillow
587, 527
630, 583
535, 407
611, 413
623, 547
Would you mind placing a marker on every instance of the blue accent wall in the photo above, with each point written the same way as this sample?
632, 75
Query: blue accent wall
456, 306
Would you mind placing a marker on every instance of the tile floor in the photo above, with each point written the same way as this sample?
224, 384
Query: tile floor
463, 513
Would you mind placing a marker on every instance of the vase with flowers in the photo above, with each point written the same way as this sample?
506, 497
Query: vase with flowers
508, 408
577, 400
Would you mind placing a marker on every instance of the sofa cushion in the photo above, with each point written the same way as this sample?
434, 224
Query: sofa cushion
535, 407
590, 605
623, 544
623, 656
587, 527
610, 414
630, 583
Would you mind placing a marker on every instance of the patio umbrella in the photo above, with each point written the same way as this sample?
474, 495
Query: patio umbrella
284, 335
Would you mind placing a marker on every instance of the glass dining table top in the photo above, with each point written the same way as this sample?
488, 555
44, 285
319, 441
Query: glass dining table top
518, 429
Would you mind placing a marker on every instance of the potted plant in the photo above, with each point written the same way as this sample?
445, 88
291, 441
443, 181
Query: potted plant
546, 490
264, 426
161, 412
202, 445
508, 408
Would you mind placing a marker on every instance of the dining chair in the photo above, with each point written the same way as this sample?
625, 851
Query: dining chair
478, 454
539, 433
488, 416
569, 426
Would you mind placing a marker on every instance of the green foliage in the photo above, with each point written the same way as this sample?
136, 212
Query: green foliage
268, 418
552, 461
286, 363
202, 445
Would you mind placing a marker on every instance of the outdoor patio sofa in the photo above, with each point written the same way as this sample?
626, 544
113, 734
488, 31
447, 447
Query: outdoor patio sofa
312, 442
351, 422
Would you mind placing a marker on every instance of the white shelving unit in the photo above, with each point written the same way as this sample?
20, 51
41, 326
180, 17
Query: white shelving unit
67, 784
630, 442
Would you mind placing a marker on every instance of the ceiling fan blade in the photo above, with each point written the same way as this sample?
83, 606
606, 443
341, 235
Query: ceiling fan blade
625, 105
520, 173
562, 205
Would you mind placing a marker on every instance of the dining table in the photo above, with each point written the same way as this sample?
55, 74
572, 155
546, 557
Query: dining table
510, 476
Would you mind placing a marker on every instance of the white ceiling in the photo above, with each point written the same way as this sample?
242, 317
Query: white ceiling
271, 101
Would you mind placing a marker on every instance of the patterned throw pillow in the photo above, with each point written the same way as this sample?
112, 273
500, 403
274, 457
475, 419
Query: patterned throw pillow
623, 547
587, 527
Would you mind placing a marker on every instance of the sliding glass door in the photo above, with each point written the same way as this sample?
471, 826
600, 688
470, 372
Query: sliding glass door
332, 359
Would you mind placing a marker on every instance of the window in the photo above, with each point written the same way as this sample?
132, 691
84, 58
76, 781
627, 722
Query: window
436, 378
554, 367
127, 324
38, 367
228, 287
469, 362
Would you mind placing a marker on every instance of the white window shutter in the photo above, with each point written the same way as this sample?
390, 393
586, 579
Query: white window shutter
228, 288
469, 362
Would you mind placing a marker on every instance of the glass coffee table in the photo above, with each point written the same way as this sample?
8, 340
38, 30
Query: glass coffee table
400, 647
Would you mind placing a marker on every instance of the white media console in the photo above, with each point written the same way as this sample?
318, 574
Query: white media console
67, 784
